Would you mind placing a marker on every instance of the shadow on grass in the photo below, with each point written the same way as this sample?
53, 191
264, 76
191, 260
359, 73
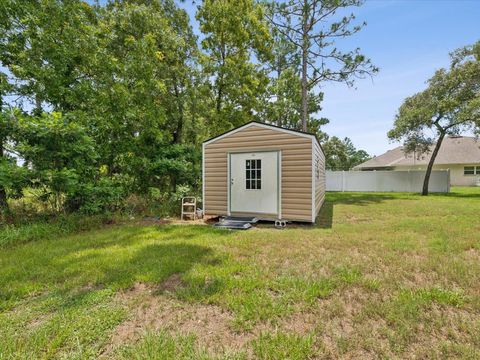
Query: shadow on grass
364, 198
468, 193
113, 259
325, 217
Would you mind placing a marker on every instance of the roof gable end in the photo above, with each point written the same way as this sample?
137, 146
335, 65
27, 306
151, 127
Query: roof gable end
260, 125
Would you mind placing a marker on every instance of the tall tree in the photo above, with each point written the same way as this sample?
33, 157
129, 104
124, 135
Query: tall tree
13, 178
58, 151
313, 27
342, 154
144, 85
126, 71
46, 46
236, 41
182, 75
449, 105
282, 103
5, 123
5, 133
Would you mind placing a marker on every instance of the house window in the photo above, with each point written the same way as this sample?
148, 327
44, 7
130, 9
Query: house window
470, 170
253, 174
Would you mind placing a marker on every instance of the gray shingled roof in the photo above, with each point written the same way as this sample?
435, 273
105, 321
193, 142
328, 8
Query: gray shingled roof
454, 150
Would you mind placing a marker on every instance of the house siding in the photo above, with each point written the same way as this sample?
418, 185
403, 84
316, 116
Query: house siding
296, 169
320, 180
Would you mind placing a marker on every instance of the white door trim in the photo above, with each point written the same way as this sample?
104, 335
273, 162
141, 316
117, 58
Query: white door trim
279, 178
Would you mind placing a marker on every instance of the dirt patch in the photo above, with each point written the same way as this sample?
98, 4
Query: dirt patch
153, 310
473, 254
172, 284
38, 321
301, 323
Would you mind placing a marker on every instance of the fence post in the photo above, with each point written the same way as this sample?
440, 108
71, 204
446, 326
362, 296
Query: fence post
343, 180
448, 180
410, 182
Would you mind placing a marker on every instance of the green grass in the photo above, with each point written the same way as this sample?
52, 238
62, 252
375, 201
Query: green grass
379, 275
16, 234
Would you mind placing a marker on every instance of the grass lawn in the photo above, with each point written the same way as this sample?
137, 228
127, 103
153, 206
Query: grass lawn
379, 276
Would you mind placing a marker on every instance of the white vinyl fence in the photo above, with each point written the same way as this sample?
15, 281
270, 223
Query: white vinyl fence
387, 181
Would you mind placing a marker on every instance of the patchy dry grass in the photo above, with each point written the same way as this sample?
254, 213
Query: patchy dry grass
379, 276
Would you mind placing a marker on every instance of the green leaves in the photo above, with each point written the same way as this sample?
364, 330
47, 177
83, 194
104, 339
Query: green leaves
342, 154
313, 28
58, 153
449, 105
235, 34
47, 46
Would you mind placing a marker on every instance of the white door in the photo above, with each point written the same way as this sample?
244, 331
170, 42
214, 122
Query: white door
254, 182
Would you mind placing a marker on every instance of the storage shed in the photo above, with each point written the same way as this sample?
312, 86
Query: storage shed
264, 171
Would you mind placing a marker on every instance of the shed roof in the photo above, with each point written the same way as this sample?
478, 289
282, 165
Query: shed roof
454, 150
270, 126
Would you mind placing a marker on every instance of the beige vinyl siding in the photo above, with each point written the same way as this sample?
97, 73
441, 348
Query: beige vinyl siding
320, 182
296, 181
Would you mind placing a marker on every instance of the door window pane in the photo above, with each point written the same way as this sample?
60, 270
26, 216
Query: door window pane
253, 174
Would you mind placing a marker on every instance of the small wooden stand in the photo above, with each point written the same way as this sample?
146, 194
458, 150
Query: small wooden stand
189, 207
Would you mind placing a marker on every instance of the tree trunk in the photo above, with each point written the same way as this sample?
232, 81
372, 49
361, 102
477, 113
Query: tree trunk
279, 97
430, 164
220, 80
3, 200
219, 99
173, 182
38, 106
3, 192
304, 111
177, 136
305, 47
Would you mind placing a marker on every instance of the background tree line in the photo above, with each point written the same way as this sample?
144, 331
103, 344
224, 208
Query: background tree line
101, 104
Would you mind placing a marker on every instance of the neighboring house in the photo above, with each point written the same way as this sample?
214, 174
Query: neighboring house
264, 171
459, 154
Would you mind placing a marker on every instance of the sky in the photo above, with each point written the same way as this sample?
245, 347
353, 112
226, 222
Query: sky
408, 40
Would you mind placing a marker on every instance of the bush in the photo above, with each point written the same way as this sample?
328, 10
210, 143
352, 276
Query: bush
101, 196
156, 203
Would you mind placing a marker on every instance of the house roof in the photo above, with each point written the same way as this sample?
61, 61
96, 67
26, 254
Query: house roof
454, 150
274, 127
